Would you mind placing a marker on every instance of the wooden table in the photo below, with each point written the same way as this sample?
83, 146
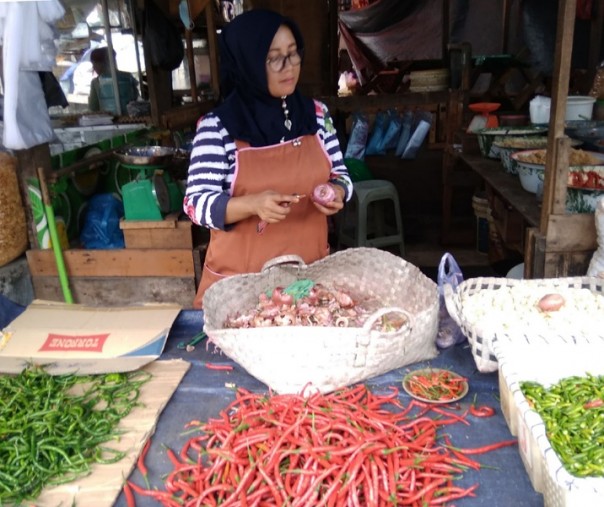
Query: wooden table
513, 209
561, 246
506, 186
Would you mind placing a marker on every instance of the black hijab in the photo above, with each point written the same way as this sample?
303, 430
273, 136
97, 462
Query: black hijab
249, 112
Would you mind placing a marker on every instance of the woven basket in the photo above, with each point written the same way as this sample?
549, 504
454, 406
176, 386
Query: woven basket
295, 359
483, 335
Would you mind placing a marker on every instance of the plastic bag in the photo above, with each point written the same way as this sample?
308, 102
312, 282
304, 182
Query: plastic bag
358, 137
391, 134
405, 135
596, 264
380, 127
449, 333
357, 170
418, 136
162, 38
102, 225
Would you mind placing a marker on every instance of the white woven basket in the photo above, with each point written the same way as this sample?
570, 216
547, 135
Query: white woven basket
292, 359
482, 335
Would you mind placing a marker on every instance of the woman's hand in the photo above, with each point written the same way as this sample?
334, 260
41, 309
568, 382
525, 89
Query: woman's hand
331, 208
269, 206
272, 207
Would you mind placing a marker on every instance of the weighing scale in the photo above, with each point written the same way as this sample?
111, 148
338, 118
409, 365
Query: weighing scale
152, 192
485, 119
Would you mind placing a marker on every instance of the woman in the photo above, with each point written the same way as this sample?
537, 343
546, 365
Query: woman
258, 156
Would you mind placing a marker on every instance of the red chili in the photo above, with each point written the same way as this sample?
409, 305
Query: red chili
141, 462
345, 448
129, 495
482, 411
598, 402
488, 448
225, 367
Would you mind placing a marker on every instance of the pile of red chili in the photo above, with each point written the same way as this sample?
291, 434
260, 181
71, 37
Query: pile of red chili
436, 385
348, 448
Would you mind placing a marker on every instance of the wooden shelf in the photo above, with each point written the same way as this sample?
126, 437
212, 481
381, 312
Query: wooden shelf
507, 186
353, 103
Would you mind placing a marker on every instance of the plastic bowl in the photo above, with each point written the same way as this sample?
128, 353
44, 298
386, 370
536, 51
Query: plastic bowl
487, 137
516, 144
531, 173
508, 146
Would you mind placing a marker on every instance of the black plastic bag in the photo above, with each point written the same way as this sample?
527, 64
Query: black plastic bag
162, 38
53, 93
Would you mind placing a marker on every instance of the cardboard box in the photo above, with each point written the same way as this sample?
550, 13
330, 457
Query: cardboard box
85, 340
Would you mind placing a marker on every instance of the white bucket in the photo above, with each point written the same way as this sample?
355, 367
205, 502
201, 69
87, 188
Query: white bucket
539, 109
579, 107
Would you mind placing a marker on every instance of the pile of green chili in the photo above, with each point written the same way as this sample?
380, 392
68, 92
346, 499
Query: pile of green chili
573, 412
53, 427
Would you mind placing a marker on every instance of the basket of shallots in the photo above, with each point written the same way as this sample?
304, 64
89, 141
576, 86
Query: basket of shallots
353, 315
540, 311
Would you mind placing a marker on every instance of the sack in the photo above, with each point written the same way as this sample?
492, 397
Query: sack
102, 225
161, 38
449, 333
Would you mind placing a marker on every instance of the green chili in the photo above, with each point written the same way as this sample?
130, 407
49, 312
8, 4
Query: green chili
573, 418
53, 428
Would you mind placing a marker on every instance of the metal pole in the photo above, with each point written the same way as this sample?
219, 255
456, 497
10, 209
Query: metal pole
112, 66
135, 35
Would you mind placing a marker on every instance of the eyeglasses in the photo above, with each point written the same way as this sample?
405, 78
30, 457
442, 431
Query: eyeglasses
277, 63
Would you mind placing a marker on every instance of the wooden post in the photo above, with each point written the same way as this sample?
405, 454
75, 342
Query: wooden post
213, 49
191, 64
554, 185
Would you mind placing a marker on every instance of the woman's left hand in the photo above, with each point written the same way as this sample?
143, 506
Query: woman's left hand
331, 208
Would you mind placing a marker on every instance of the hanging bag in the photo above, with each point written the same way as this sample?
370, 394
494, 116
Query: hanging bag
162, 38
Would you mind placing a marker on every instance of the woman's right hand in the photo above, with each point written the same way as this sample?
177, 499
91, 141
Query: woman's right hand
272, 207
268, 206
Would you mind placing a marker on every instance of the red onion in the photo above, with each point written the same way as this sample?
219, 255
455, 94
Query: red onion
323, 194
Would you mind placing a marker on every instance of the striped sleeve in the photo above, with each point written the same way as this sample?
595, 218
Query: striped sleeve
327, 132
211, 172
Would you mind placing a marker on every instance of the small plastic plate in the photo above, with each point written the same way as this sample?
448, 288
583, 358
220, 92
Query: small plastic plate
409, 378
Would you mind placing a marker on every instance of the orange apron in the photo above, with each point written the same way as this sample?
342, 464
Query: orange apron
293, 167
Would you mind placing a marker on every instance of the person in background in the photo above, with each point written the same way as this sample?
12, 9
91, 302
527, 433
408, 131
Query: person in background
257, 157
102, 97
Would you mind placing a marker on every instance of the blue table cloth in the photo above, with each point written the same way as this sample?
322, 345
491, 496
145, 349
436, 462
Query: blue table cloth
202, 394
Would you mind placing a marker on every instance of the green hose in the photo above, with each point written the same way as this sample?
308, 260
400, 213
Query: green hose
54, 238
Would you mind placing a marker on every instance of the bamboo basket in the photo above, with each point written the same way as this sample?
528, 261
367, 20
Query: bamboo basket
482, 335
307, 359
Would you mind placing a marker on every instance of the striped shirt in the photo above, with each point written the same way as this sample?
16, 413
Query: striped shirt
212, 168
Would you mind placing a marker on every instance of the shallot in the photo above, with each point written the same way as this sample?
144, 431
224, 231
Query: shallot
551, 302
323, 194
